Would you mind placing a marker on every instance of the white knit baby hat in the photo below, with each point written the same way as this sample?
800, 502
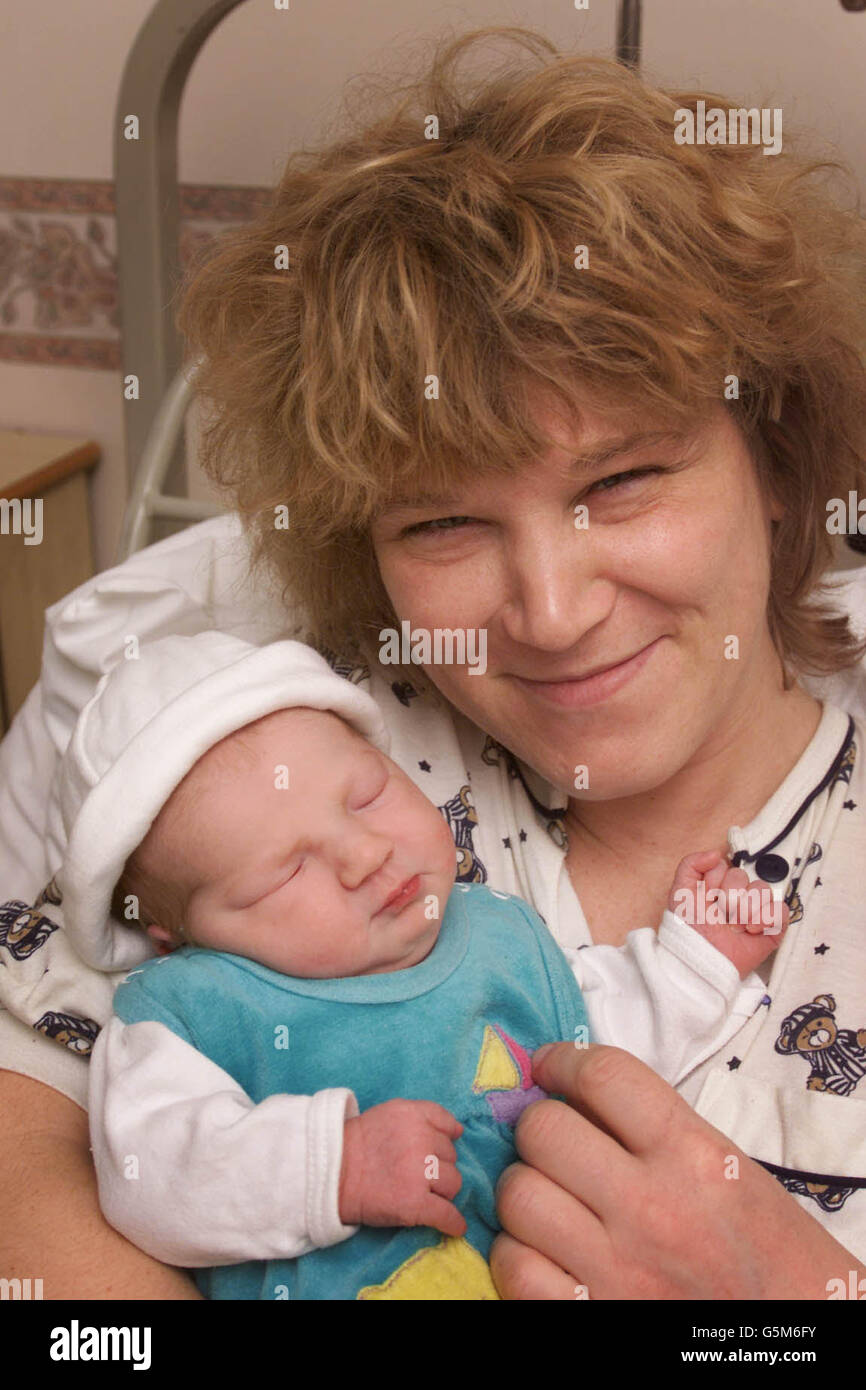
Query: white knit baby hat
149, 720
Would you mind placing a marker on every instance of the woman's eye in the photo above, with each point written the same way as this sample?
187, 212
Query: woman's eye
617, 479
439, 523
459, 523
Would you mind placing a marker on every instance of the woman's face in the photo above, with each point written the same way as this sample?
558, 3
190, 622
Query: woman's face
665, 576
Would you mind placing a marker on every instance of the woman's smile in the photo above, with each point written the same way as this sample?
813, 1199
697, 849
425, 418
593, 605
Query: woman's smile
580, 692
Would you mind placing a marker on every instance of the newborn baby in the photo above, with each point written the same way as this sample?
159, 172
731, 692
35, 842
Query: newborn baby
341, 1045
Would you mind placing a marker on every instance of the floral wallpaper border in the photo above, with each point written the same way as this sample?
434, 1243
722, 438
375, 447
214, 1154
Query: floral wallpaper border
58, 264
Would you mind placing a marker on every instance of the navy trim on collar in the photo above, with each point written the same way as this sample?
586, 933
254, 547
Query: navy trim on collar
741, 857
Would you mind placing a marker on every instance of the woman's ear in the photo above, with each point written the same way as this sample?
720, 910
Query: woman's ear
162, 939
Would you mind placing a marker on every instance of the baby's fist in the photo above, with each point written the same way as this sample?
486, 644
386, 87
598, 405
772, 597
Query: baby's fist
400, 1167
737, 916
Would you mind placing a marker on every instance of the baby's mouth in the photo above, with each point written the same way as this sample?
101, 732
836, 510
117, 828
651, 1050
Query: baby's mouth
402, 895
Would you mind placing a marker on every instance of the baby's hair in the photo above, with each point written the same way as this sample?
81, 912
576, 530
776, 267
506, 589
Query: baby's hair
161, 898
454, 257
156, 900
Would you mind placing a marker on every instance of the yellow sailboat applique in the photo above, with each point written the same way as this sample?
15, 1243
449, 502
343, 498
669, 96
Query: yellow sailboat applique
453, 1270
505, 1070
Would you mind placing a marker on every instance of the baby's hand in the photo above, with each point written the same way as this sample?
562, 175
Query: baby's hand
730, 920
400, 1167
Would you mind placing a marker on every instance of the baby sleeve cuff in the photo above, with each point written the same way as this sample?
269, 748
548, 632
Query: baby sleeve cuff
687, 944
328, 1113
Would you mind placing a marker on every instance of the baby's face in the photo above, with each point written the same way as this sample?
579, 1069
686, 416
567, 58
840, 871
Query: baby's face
299, 877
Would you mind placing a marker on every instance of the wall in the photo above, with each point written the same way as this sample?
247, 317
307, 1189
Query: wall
266, 82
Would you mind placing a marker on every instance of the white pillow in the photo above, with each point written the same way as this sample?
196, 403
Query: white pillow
847, 688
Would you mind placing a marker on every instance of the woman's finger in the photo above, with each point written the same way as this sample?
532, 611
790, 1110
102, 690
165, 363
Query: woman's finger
616, 1091
521, 1273
537, 1212
574, 1153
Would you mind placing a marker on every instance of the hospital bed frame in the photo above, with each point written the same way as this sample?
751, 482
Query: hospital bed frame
148, 226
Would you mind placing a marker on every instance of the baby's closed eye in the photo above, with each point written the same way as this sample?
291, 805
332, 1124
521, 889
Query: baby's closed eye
368, 784
264, 889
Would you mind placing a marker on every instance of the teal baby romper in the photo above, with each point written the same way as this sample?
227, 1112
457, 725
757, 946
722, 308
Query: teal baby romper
458, 1029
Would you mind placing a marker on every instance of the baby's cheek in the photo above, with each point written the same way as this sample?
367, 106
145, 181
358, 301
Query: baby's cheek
448, 854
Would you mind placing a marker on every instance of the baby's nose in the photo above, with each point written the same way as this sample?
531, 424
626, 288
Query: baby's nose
361, 854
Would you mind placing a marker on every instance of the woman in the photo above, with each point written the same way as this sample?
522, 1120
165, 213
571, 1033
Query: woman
519, 364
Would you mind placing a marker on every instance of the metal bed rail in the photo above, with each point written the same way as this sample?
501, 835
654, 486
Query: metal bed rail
147, 499
148, 226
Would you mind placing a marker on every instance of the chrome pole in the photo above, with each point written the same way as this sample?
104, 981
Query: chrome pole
628, 32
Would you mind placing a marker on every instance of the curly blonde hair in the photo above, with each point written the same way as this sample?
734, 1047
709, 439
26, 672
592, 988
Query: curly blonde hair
454, 256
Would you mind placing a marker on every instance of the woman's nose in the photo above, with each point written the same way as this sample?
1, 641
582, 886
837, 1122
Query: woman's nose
360, 852
555, 588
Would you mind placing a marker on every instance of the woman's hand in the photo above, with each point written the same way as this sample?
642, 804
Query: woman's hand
626, 1193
